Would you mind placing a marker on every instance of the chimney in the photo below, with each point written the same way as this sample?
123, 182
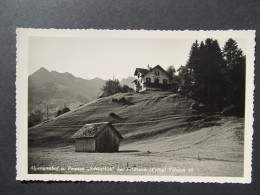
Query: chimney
148, 67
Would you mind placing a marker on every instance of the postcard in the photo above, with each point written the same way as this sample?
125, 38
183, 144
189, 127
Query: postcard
134, 105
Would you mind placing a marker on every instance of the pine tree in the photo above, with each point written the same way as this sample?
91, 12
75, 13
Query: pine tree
194, 57
235, 70
204, 67
213, 65
190, 74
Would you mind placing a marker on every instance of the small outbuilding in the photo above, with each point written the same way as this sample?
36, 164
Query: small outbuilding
97, 137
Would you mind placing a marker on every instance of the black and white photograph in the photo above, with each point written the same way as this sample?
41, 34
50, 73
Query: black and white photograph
134, 105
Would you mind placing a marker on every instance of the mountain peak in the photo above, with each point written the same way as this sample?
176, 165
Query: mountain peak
42, 69
41, 72
97, 78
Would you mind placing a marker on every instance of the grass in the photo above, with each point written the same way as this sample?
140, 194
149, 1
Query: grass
154, 122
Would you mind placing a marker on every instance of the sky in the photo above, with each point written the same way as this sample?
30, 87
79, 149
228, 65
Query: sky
109, 58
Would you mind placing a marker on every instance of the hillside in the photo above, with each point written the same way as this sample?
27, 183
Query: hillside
134, 117
57, 89
160, 130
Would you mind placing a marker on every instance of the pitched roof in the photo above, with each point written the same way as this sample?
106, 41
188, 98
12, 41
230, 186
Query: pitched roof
145, 71
94, 129
141, 70
158, 66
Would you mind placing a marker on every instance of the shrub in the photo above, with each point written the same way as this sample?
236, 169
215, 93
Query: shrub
62, 111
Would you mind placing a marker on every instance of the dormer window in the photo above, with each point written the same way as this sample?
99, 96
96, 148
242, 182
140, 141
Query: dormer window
156, 73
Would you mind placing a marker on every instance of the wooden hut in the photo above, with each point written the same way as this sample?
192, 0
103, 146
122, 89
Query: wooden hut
97, 137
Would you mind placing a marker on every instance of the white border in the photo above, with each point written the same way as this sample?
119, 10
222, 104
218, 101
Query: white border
22, 101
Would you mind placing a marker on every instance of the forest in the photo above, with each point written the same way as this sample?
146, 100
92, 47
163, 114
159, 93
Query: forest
214, 76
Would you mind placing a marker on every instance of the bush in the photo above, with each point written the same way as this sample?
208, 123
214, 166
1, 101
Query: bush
62, 111
113, 86
35, 118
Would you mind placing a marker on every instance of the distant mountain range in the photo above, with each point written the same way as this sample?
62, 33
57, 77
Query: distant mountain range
58, 89
128, 81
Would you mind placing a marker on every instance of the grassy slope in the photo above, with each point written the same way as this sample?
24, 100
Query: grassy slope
143, 115
154, 122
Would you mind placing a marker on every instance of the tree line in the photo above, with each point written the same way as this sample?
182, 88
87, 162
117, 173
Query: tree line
113, 86
214, 76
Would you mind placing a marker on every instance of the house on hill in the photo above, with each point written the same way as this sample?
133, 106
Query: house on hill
97, 137
151, 79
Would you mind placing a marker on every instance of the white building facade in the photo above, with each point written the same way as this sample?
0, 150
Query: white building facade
151, 79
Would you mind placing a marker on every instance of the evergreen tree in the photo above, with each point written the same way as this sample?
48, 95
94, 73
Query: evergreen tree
215, 77
198, 70
213, 65
235, 70
204, 70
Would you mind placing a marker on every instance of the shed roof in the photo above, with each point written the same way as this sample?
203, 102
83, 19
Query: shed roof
94, 129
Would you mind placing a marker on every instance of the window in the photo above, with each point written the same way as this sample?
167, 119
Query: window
165, 81
156, 80
148, 80
156, 73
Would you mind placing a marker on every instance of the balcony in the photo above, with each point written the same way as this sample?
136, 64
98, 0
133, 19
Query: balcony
157, 85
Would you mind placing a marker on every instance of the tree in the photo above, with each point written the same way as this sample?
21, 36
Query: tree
126, 88
171, 71
185, 78
62, 111
35, 118
203, 73
39, 115
213, 78
192, 74
194, 57
235, 69
111, 87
